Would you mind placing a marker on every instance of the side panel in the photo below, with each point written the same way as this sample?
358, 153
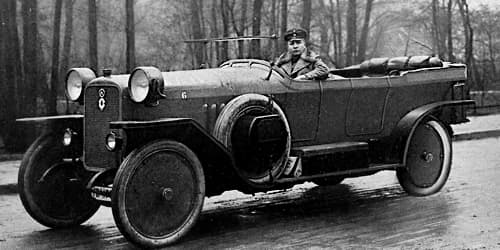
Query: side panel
302, 109
367, 104
334, 99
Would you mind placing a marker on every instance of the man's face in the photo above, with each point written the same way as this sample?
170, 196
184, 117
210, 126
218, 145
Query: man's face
296, 46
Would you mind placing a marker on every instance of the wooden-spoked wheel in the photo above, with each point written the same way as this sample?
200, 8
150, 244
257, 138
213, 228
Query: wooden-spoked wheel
51, 190
428, 160
158, 193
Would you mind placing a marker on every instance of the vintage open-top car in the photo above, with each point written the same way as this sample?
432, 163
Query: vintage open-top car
152, 145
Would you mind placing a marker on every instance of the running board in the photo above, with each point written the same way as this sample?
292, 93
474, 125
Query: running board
371, 168
325, 149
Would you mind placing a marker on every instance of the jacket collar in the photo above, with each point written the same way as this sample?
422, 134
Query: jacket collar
305, 59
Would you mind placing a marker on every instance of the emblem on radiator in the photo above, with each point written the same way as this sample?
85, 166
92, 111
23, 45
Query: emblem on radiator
101, 102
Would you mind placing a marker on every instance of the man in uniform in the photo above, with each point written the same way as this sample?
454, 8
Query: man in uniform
299, 62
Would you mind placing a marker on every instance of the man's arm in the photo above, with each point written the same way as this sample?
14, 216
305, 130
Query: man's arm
320, 70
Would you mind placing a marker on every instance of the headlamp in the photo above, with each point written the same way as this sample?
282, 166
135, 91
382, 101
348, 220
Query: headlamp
76, 80
146, 85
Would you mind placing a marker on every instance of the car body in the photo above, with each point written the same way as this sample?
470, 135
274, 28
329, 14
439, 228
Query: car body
153, 144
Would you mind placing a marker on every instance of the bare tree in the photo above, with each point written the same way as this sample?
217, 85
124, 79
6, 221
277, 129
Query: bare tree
214, 33
364, 32
340, 47
324, 41
284, 21
10, 72
225, 28
93, 34
29, 10
196, 33
468, 37
130, 31
306, 15
351, 32
68, 33
240, 26
449, 24
257, 16
54, 76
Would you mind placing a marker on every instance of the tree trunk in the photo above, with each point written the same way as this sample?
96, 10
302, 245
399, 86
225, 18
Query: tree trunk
340, 47
225, 28
491, 52
241, 28
214, 33
324, 41
130, 30
284, 22
93, 35
469, 35
364, 33
435, 27
351, 32
11, 76
270, 51
54, 76
449, 23
306, 15
333, 25
30, 58
196, 34
68, 32
257, 16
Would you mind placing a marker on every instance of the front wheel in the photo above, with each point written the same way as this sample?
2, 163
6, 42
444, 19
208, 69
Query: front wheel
428, 160
158, 193
54, 191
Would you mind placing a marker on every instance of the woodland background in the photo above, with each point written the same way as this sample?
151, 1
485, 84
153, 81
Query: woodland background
41, 39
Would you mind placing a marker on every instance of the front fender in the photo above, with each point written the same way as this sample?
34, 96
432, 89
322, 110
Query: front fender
57, 125
401, 135
217, 161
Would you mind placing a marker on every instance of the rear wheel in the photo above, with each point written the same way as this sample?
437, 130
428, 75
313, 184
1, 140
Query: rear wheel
53, 191
428, 160
158, 193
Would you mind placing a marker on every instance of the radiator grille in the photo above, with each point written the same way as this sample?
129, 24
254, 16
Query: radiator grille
96, 125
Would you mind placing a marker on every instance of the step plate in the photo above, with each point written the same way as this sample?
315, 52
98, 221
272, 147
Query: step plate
325, 149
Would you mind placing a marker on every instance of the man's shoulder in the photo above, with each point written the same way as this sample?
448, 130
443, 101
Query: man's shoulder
310, 56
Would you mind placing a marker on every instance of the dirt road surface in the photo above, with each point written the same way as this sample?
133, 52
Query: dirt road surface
369, 212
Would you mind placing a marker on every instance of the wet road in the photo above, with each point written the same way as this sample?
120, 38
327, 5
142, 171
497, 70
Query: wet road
367, 212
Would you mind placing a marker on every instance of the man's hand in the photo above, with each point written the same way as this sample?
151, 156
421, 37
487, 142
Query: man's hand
301, 77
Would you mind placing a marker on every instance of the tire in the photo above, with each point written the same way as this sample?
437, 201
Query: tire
328, 181
428, 160
158, 193
54, 192
252, 104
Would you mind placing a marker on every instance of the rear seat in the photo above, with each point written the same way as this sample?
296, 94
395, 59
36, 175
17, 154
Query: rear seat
388, 66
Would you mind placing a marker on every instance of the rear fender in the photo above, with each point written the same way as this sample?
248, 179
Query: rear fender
216, 160
401, 135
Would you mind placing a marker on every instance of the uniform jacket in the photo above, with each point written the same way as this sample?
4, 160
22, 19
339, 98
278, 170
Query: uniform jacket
309, 64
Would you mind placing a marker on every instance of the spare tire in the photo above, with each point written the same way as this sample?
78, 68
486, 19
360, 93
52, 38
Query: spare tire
254, 165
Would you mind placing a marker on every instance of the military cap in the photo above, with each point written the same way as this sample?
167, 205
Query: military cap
295, 33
